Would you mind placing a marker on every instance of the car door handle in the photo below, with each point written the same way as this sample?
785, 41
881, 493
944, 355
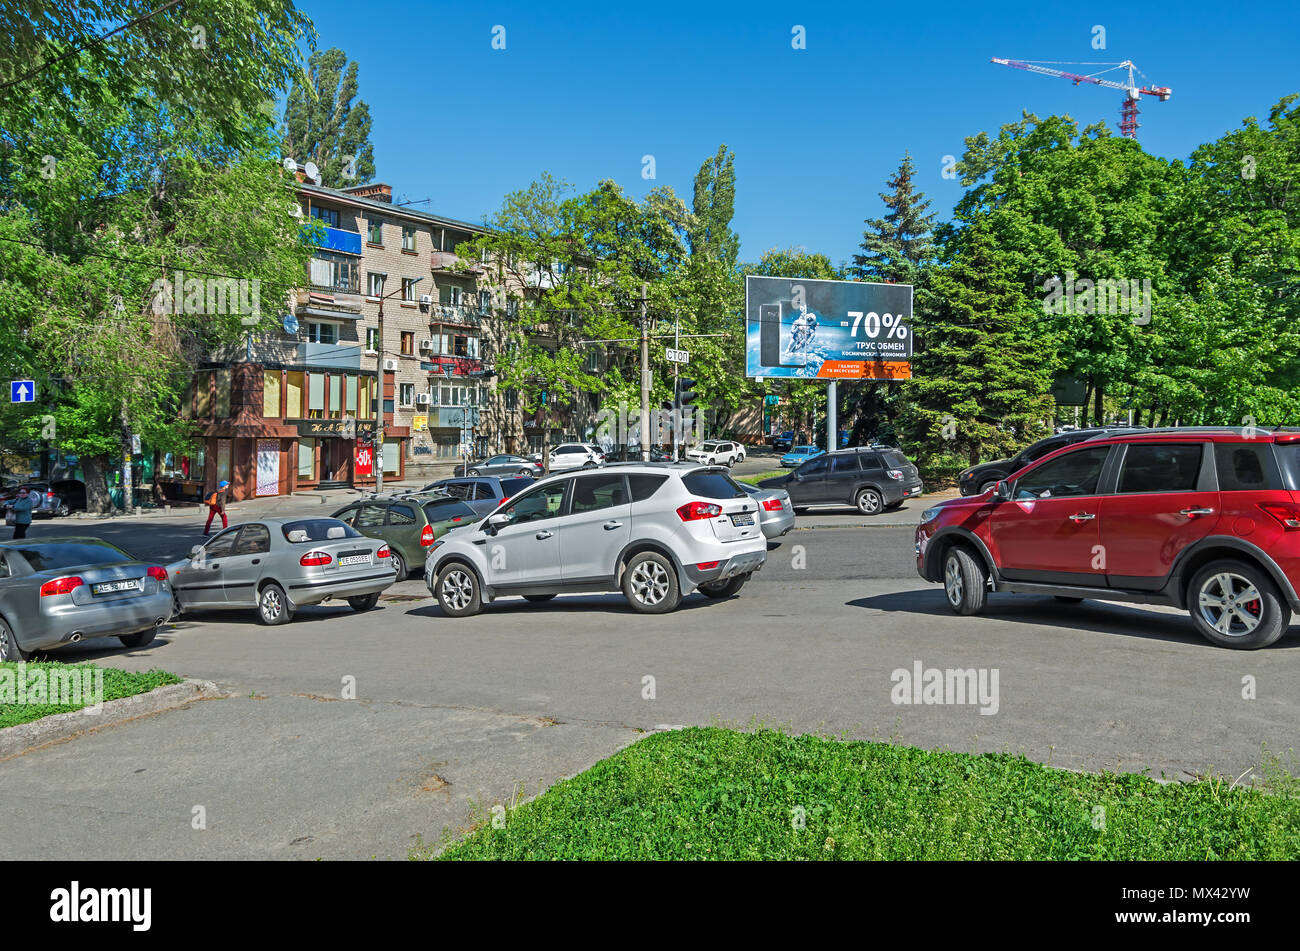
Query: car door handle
1192, 513
543, 535
216, 567
257, 561
611, 525
1083, 516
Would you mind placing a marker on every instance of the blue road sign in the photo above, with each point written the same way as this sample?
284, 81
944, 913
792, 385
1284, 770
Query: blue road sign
22, 391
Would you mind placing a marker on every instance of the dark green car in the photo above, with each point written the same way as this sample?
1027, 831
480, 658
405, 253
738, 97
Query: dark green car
409, 523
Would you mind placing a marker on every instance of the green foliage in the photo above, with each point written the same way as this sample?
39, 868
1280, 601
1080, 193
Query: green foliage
323, 125
718, 794
117, 685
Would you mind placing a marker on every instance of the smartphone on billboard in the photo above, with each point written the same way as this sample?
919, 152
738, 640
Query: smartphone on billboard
769, 334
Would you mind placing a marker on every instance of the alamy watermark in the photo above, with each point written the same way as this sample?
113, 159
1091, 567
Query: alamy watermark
934, 685
1083, 295
211, 295
54, 686
622, 426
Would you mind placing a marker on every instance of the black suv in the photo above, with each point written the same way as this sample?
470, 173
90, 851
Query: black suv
979, 479
873, 479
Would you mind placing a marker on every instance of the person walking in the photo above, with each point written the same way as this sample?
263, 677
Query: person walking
216, 506
22, 513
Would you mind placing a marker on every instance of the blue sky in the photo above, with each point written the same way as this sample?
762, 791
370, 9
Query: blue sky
585, 90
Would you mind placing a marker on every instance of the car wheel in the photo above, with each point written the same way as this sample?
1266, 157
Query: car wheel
964, 582
474, 472
364, 602
522, 474
9, 649
177, 608
399, 563
986, 486
457, 590
63, 511
538, 598
650, 583
869, 502
1234, 604
273, 606
724, 589
139, 638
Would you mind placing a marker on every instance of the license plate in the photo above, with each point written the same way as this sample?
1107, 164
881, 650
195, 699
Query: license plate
108, 587
354, 560
743, 518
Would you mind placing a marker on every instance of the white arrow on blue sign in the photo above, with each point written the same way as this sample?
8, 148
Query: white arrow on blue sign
22, 391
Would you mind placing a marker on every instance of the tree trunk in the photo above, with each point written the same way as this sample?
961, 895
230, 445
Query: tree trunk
1097, 411
1083, 410
94, 469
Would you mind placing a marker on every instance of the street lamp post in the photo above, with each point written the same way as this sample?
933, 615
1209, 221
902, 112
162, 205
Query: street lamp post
379, 397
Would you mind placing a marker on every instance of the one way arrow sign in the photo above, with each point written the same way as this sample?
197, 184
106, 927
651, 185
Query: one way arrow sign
22, 391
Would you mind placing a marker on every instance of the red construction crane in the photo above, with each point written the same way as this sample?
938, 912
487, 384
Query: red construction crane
1128, 112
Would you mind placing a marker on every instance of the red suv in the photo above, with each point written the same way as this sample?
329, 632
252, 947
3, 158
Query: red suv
1205, 519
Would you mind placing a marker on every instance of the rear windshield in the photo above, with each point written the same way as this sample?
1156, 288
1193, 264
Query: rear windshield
509, 487
442, 509
894, 459
308, 530
712, 485
56, 557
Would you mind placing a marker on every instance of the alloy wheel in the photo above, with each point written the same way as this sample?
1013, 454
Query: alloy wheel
457, 589
953, 585
272, 605
1230, 604
649, 582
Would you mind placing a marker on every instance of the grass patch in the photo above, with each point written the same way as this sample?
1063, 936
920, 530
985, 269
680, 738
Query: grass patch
709, 793
116, 685
755, 479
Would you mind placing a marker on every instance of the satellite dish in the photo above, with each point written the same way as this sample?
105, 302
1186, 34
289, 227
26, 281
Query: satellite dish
295, 209
312, 172
290, 166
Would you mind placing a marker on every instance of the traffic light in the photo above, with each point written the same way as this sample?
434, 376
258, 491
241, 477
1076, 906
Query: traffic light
682, 392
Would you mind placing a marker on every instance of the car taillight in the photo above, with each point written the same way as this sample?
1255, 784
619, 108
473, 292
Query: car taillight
772, 505
1286, 514
49, 495
384, 552
895, 474
314, 559
60, 586
159, 574
692, 511
707, 565
426, 536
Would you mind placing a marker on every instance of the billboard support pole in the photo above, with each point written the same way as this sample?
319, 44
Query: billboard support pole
645, 379
832, 417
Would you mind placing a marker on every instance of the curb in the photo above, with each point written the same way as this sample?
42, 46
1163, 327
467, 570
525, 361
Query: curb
61, 727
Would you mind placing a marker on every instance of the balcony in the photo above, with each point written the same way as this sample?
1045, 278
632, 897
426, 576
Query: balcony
288, 352
455, 314
449, 262
339, 239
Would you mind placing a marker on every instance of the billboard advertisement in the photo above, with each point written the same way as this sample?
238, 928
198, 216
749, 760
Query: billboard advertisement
835, 330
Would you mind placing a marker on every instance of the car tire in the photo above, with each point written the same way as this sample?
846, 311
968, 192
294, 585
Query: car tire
9, 649
457, 590
1215, 596
965, 583
724, 589
650, 583
986, 486
63, 511
363, 602
177, 608
139, 638
273, 605
399, 564
474, 473
869, 502
538, 598
523, 474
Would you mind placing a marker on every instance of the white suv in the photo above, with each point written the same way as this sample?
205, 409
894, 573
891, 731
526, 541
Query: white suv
717, 452
575, 455
655, 531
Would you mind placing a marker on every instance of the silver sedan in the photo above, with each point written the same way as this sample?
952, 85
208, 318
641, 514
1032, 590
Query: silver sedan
56, 591
775, 511
277, 565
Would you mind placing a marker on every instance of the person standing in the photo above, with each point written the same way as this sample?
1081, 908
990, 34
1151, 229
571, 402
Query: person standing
216, 506
22, 509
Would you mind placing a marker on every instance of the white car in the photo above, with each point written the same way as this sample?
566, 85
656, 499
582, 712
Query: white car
655, 531
575, 455
717, 452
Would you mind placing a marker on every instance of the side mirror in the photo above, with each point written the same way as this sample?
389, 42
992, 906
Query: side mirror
195, 550
1002, 491
495, 522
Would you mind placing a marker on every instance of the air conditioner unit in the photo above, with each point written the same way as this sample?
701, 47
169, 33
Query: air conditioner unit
426, 300
421, 399
426, 344
390, 365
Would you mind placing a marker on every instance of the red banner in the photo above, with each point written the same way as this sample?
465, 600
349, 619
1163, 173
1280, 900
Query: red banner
365, 462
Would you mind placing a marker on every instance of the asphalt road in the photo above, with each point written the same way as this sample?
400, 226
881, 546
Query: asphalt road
453, 717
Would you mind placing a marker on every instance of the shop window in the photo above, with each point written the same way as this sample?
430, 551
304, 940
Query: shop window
294, 382
224, 450
336, 396
306, 459
350, 395
271, 393
315, 395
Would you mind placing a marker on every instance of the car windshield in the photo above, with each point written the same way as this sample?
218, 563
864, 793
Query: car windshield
60, 555
440, 510
307, 530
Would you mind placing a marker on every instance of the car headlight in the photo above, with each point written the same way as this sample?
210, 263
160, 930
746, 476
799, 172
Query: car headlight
930, 514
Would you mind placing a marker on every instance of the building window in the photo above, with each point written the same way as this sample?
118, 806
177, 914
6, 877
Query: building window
295, 382
407, 394
512, 307
408, 343
335, 272
512, 399
322, 332
374, 231
408, 238
484, 302
270, 393
375, 283
327, 216
372, 338
451, 295
593, 360
408, 288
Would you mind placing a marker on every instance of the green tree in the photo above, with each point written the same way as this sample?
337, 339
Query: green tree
322, 124
710, 234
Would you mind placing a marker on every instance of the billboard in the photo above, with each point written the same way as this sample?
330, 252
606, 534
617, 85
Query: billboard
835, 330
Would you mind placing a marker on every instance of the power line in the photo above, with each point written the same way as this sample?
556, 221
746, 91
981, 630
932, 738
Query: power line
100, 39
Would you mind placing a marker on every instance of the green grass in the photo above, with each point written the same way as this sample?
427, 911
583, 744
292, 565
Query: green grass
755, 479
117, 684
709, 793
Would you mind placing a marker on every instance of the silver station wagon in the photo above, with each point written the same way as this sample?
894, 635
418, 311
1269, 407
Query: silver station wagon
277, 565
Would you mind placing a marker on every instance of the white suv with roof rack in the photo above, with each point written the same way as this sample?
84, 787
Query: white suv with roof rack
656, 532
717, 452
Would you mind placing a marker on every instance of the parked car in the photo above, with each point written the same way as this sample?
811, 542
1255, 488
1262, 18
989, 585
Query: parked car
409, 523
277, 565
717, 452
873, 479
783, 442
801, 454
1203, 519
483, 494
657, 532
72, 492
775, 510
576, 455
61, 590
979, 479
506, 465
46, 502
